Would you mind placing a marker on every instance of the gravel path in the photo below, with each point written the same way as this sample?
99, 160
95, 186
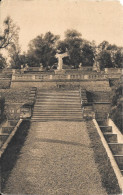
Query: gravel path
56, 159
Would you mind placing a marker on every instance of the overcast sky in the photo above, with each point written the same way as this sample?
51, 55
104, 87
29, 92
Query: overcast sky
96, 20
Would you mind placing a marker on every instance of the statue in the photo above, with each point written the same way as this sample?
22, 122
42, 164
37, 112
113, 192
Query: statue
60, 59
80, 65
96, 66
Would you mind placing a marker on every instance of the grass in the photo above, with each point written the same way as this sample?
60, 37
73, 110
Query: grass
109, 180
5, 84
15, 96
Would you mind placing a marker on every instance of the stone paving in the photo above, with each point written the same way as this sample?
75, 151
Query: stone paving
56, 159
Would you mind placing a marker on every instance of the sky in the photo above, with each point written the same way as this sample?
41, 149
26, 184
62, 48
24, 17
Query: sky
97, 20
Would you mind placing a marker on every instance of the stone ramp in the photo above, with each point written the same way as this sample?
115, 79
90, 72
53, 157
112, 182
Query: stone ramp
56, 159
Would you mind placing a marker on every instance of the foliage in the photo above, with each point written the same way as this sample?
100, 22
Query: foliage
14, 51
117, 103
109, 56
87, 55
79, 50
9, 33
104, 59
14, 54
73, 44
3, 63
42, 49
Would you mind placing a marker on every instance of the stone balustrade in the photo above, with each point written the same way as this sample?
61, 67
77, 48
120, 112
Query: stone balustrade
45, 77
113, 70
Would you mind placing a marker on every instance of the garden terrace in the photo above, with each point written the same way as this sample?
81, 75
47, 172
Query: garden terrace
15, 96
5, 80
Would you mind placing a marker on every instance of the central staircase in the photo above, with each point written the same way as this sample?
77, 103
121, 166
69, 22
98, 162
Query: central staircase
57, 105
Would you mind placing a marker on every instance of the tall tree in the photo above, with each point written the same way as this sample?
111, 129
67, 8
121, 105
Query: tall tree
9, 32
110, 56
87, 54
14, 51
42, 49
73, 43
79, 50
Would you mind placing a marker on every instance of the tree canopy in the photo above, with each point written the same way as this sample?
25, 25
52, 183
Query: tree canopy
110, 56
42, 49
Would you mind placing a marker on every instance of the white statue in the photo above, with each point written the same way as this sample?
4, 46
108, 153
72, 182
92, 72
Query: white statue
60, 61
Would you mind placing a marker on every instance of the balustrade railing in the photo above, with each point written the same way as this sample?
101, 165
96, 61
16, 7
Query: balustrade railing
45, 77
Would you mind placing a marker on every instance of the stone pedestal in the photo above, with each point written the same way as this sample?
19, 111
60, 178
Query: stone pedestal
59, 71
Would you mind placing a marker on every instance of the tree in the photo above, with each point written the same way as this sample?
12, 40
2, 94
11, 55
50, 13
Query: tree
117, 105
14, 54
118, 58
104, 59
87, 54
110, 56
3, 63
72, 43
42, 49
9, 33
14, 51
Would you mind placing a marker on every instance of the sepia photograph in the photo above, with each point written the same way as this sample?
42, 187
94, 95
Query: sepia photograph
61, 97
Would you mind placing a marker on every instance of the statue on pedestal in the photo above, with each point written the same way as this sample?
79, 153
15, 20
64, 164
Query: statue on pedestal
96, 66
60, 59
80, 66
41, 67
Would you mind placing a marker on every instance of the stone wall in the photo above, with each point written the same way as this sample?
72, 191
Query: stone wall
89, 84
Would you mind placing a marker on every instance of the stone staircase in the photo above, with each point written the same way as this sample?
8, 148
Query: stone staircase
112, 140
57, 105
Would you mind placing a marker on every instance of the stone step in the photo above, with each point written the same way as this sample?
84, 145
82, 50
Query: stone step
58, 119
59, 94
102, 122
119, 160
110, 138
58, 91
56, 107
58, 97
116, 148
53, 108
58, 100
57, 111
101, 115
59, 103
4, 134
57, 115
105, 129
